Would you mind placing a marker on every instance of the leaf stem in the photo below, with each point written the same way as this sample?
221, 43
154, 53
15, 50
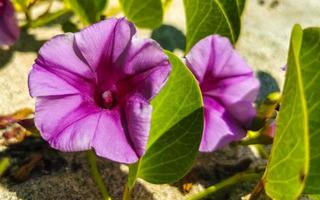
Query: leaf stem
132, 178
238, 178
257, 191
133, 173
126, 193
97, 176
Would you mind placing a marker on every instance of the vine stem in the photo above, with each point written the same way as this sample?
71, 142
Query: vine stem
238, 178
92, 159
126, 193
132, 178
255, 194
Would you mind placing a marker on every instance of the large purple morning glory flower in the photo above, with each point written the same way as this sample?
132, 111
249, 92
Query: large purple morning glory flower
228, 87
9, 30
93, 90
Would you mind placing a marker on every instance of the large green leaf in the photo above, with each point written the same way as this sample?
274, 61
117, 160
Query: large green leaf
176, 128
212, 17
87, 11
240, 5
144, 13
289, 158
295, 159
310, 64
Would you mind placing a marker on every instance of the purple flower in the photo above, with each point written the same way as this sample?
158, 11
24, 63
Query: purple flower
93, 90
9, 30
228, 87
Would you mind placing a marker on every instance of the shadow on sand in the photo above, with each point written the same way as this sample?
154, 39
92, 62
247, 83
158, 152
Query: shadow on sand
63, 176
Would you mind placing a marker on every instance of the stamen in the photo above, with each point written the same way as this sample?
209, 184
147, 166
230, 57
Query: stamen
107, 99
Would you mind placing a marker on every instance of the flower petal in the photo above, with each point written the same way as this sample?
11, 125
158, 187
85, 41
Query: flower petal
225, 78
9, 30
61, 55
103, 42
152, 82
219, 128
237, 94
214, 57
77, 136
145, 68
54, 114
138, 119
44, 83
110, 140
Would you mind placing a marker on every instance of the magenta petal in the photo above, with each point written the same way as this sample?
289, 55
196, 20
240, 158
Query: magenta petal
237, 94
50, 85
104, 41
229, 89
76, 136
219, 128
145, 68
54, 114
138, 118
110, 140
142, 55
153, 81
60, 55
214, 57
9, 30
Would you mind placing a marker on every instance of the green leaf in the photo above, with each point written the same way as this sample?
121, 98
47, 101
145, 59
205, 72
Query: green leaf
101, 5
289, 157
212, 17
310, 64
295, 160
314, 197
68, 26
133, 173
169, 37
87, 11
144, 13
176, 128
240, 5
50, 18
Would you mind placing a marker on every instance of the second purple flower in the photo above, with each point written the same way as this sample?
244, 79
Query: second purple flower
93, 90
229, 89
